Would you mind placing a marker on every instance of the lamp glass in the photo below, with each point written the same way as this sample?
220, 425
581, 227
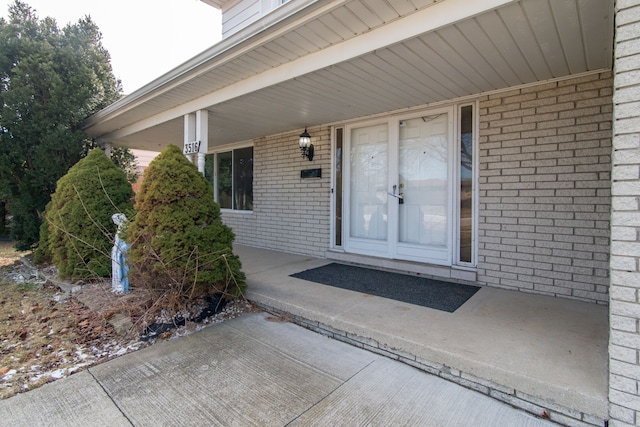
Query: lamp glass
305, 139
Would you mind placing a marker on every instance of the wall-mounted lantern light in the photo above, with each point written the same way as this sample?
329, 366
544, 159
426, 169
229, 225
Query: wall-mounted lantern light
305, 145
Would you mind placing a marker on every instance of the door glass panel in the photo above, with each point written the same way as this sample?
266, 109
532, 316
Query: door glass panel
423, 158
368, 182
466, 184
338, 188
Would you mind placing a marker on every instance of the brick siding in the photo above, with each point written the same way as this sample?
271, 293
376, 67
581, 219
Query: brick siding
290, 214
624, 337
545, 161
545, 166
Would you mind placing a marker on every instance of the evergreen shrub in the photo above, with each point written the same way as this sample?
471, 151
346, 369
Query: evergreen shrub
180, 249
77, 232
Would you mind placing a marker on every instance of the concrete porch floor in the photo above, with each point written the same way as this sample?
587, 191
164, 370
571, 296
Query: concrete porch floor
539, 353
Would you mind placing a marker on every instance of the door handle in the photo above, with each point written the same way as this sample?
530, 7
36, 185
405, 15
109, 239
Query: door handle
397, 196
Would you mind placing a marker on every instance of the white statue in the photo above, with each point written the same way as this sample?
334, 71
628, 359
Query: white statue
119, 267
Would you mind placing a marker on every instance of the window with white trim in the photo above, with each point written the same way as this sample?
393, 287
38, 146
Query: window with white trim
231, 173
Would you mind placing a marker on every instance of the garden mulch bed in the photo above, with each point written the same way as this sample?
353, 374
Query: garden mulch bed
47, 333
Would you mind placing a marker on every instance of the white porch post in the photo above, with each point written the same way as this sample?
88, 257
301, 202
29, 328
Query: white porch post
107, 149
202, 135
196, 131
189, 132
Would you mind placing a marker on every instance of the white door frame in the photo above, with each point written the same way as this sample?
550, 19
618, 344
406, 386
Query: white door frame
391, 248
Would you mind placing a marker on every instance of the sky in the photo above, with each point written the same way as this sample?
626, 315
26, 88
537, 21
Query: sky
145, 38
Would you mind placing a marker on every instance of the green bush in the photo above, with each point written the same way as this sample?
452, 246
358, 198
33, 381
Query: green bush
180, 249
77, 232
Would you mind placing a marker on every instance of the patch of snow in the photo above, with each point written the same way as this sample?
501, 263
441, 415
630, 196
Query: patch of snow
9, 375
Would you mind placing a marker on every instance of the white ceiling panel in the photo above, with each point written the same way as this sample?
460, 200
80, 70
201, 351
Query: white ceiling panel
479, 42
519, 42
498, 34
523, 35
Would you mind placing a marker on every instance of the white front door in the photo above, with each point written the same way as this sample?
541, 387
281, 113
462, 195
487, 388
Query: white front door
399, 188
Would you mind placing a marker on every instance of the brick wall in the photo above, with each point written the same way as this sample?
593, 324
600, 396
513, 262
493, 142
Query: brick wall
243, 225
290, 214
545, 160
624, 337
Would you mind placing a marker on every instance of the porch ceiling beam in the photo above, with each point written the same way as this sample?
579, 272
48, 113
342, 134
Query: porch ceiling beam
439, 15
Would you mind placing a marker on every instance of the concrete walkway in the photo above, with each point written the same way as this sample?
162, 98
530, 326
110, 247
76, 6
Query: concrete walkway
545, 355
539, 353
256, 371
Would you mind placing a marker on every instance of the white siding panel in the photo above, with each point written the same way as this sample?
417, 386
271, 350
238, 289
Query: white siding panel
469, 60
350, 21
598, 37
403, 7
470, 81
275, 52
419, 4
283, 52
308, 40
438, 68
520, 29
313, 37
251, 64
508, 46
383, 10
365, 14
239, 16
416, 69
266, 57
476, 36
570, 33
381, 80
546, 33
324, 33
413, 90
339, 80
337, 26
495, 28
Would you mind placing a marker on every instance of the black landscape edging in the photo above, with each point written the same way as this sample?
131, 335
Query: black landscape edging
215, 304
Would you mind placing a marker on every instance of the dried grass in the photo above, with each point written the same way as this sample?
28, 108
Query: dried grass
46, 335
8, 254
43, 336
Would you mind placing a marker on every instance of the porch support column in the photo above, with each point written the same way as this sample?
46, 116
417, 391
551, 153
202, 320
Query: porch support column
202, 135
107, 149
189, 133
196, 137
624, 262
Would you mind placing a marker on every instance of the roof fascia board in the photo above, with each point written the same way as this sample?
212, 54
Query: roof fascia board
429, 19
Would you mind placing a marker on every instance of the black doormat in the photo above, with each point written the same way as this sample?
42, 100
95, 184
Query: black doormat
422, 291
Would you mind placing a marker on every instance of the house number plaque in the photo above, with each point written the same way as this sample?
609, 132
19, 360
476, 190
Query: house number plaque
191, 147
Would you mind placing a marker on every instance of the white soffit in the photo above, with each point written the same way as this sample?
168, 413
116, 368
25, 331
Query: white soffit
357, 58
215, 3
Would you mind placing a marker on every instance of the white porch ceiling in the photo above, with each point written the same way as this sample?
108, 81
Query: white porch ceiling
338, 60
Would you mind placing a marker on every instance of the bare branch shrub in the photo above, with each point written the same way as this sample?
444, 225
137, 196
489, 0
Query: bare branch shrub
180, 249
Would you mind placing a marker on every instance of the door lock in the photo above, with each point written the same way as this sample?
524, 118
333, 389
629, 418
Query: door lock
397, 196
